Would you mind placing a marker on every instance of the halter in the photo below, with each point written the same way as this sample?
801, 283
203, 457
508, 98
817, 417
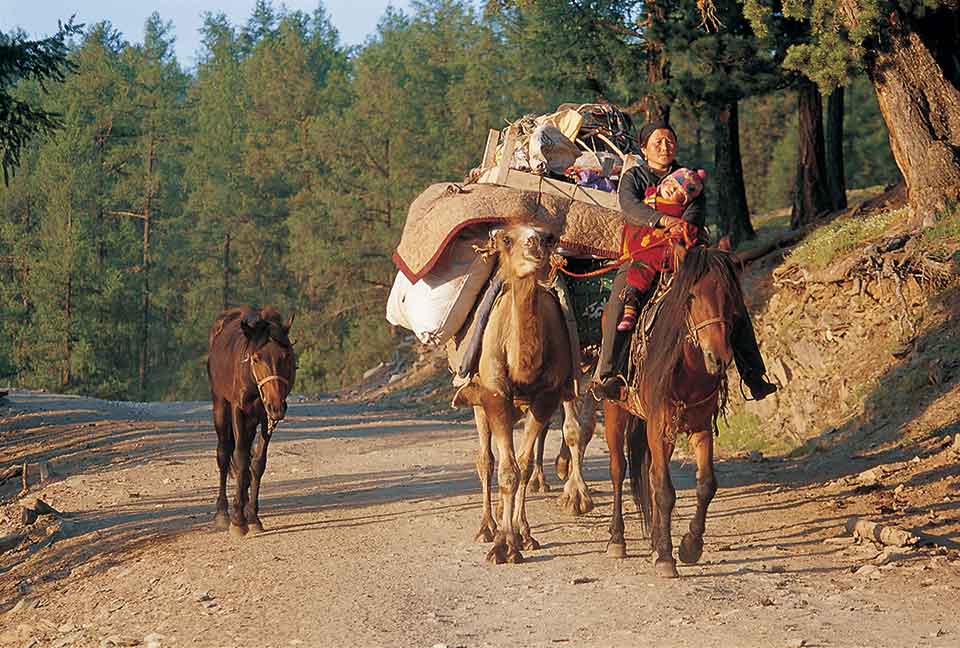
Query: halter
271, 423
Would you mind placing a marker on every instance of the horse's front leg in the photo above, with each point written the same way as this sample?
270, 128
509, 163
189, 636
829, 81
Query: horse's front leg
488, 527
222, 422
664, 498
537, 421
614, 428
691, 547
243, 433
579, 419
257, 465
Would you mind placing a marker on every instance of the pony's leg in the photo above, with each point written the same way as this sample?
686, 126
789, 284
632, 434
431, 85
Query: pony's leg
507, 542
538, 481
614, 425
536, 424
257, 465
579, 419
222, 423
691, 547
664, 497
241, 464
488, 527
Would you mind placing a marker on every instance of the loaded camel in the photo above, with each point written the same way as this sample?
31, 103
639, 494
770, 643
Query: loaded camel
525, 364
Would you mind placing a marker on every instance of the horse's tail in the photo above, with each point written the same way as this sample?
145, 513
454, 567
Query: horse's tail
638, 453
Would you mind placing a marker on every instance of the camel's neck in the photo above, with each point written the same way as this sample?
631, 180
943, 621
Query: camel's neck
525, 348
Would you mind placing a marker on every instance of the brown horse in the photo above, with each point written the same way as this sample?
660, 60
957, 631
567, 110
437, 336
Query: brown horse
679, 388
251, 368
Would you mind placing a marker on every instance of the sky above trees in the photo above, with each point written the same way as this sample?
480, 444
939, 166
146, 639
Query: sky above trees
354, 19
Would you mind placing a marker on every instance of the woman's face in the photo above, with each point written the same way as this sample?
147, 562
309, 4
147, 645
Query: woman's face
660, 149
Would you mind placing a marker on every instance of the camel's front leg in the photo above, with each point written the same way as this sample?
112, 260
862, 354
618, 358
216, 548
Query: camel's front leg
537, 420
488, 527
507, 542
579, 420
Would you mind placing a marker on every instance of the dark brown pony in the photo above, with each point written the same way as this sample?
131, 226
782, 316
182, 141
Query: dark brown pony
251, 368
680, 388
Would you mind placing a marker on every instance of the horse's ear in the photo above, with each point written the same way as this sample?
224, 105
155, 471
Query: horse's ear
289, 323
725, 244
249, 330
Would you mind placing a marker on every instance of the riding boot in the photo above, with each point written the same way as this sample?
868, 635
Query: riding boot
471, 352
606, 379
746, 353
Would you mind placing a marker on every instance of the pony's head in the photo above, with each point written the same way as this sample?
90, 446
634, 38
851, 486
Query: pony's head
714, 300
697, 314
271, 358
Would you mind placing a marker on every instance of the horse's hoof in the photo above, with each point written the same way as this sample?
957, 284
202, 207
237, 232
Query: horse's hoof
538, 484
691, 549
221, 521
616, 550
238, 531
484, 535
255, 528
529, 542
666, 569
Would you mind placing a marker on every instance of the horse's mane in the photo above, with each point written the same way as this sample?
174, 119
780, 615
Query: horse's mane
667, 337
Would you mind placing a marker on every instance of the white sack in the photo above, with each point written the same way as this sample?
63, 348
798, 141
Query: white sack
435, 307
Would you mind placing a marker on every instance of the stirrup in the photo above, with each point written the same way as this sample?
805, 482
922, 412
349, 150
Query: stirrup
604, 384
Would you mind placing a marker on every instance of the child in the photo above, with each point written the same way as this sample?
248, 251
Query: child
649, 248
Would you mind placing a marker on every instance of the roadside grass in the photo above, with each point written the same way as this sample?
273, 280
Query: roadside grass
742, 432
844, 234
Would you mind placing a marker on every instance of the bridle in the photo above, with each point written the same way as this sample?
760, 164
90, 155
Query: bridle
271, 423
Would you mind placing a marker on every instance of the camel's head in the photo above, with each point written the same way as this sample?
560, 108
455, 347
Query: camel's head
524, 249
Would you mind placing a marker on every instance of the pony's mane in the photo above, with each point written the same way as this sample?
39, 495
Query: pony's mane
667, 337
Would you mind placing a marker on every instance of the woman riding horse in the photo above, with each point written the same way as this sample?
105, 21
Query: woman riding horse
658, 144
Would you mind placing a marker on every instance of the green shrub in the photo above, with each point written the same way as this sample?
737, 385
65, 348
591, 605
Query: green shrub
826, 243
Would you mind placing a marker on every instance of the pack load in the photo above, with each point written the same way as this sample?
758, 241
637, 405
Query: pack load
559, 170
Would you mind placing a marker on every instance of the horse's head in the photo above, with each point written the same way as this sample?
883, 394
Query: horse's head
524, 249
714, 302
272, 362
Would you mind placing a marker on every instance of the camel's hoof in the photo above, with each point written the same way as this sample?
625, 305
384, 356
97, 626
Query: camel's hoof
529, 542
577, 502
615, 550
237, 530
254, 528
514, 557
497, 554
666, 568
691, 548
221, 521
484, 535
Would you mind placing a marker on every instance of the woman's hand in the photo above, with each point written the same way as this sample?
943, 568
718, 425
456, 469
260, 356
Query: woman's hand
669, 222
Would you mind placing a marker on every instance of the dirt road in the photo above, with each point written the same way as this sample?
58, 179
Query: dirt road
370, 515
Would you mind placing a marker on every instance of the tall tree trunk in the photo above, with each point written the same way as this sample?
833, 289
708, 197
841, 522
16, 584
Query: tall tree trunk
145, 322
834, 157
731, 194
915, 74
811, 193
655, 106
226, 272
